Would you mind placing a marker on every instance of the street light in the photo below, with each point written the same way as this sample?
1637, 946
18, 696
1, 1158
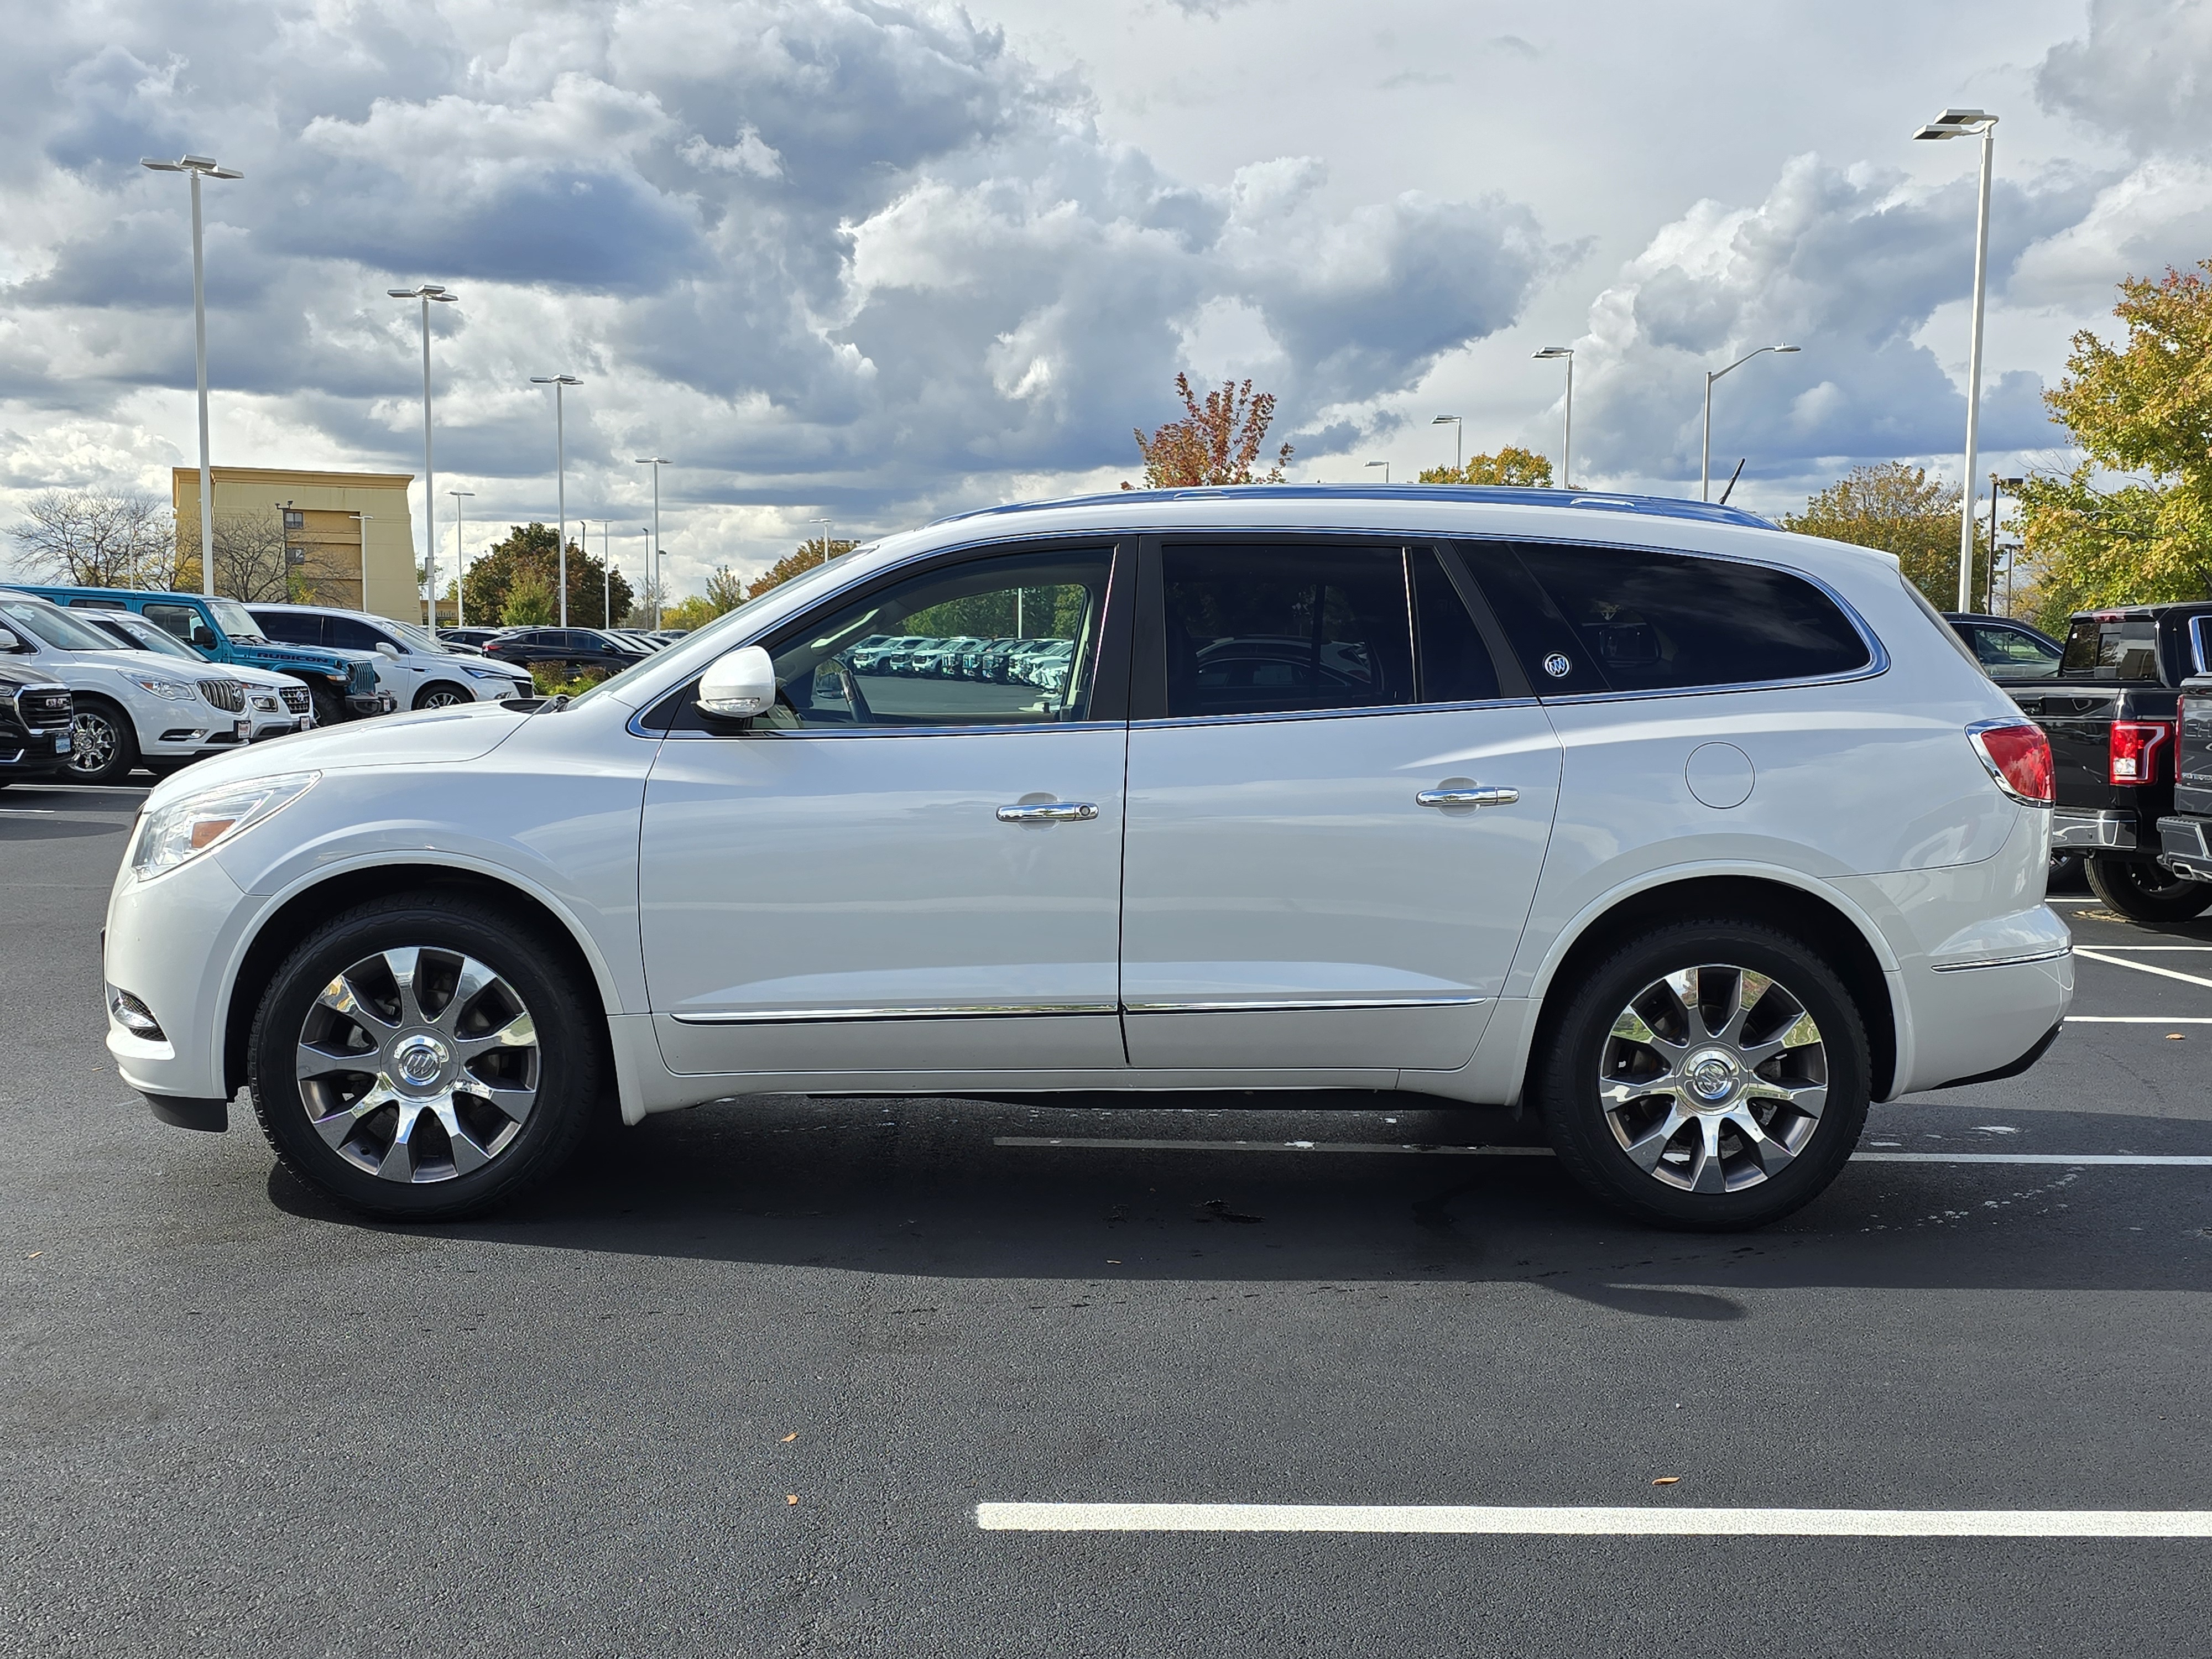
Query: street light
1567, 433
1459, 431
1705, 483
656, 462
460, 604
647, 560
444, 296
824, 523
1997, 487
606, 574
1385, 466
1966, 124
559, 383
200, 166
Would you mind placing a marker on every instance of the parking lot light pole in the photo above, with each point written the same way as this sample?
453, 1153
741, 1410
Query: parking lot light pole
1705, 479
649, 560
824, 523
656, 462
460, 604
1966, 124
1459, 431
198, 167
559, 383
1997, 487
444, 296
1567, 433
1385, 466
607, 571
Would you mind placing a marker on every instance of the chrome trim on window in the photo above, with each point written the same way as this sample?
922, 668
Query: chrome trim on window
1307, 1006
950, 1010
2003, 961
1335, 713
780, 733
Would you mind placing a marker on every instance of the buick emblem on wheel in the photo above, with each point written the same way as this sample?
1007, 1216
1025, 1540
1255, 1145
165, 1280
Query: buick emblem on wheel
1558, 667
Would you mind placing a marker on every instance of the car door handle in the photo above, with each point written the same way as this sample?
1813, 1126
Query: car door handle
1049, 811
1481, 795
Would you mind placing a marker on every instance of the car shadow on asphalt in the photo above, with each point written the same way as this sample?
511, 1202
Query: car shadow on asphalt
926, 1189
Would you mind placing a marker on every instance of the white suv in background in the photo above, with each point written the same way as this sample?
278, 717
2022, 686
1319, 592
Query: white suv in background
277, 704
1693, 835
131, 708
420, 670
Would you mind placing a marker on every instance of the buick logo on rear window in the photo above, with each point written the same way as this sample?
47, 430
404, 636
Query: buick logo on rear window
1558, 667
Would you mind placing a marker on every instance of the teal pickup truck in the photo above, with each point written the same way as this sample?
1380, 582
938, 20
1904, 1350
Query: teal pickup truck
342, 683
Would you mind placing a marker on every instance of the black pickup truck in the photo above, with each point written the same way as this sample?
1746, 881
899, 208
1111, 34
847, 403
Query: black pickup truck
2111, 712
2184, 835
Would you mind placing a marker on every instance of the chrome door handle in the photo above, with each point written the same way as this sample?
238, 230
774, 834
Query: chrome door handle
1488, 795
1050, 812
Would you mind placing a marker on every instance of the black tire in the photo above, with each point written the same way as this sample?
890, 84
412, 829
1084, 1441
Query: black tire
2143, 891
441, 694
103, 744
330, 707
1564, 1079
569, 1075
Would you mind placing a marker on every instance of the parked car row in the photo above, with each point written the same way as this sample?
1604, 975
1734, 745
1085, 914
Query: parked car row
35, 712
1005, 660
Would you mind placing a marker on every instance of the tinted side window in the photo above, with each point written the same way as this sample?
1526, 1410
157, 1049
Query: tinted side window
291, 627
1455, 664
177, 618
350, 636
2007, 652
1654, 621
1258, 630
2116, 648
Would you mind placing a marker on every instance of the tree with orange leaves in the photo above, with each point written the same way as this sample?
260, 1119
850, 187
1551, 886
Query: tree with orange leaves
1215, 443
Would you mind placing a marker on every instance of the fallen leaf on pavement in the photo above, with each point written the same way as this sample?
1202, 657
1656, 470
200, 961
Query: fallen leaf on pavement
791, 1497
792, 1436
1667, 1481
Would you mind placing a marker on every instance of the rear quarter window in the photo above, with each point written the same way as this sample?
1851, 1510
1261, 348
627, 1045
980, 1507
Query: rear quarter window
1651, 621
2112, 648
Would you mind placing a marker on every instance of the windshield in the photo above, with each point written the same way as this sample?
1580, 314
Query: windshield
145, 636
54, 625
232, 618
419, 639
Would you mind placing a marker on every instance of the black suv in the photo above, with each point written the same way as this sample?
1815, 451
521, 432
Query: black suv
35, 711
578, 649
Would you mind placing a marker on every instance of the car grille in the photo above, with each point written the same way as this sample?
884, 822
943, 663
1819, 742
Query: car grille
296, 699
226, 694
41, 707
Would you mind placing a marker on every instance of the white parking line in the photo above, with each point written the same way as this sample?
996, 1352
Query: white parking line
1572, 1520
2107, 945
2139, 1019
2144, 967
1079, 1143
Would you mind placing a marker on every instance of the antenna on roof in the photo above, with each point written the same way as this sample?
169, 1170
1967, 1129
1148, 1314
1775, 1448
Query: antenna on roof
1733, 477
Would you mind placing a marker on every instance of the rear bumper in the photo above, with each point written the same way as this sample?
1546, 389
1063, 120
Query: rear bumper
2078, 829
2182, 847
1974, 1023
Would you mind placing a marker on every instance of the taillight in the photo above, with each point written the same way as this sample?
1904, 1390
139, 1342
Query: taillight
2018, 756
2136, 749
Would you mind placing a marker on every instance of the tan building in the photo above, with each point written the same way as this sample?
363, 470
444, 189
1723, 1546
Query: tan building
316, 538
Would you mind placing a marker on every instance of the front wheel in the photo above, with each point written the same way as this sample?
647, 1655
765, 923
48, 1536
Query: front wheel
442, 695
2142, 891
1710, 1075
103, 745
424, 1058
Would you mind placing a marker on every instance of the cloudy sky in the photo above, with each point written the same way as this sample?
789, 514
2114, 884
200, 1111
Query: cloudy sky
876, 261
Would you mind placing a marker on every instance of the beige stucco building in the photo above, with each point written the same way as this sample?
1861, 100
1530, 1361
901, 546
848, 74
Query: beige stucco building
316, 519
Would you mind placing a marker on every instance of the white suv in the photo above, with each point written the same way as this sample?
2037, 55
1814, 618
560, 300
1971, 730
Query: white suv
1694, 836
420, 670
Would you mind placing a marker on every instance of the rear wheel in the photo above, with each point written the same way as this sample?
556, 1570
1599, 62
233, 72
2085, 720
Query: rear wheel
1710, 1075
103, 746
2142, 891
423, 1057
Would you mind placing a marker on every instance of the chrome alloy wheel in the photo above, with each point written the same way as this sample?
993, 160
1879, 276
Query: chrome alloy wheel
93, 739
418, 1064
1713, 1078
442, 698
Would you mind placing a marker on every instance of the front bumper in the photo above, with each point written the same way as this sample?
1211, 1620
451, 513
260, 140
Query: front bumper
27, 755
2078, 829
369, 703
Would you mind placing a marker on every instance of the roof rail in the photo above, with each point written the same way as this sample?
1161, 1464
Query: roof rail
1663, 507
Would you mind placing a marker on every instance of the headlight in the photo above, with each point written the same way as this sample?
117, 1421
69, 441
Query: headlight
179, 832
172, 689
486, 673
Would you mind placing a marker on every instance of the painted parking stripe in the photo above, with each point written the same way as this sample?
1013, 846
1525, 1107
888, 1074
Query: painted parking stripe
1081, 1143
2105, 945
2139, 1019
1573, 1520
2143, 967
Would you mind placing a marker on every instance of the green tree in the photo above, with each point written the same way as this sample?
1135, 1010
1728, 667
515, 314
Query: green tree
536, 547
694, 612
1895, 506
528, 601
2143, 408
1511, 466
797, 562
1215, 443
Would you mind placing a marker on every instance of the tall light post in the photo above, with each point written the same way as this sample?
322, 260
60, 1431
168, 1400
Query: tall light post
583, 542
606, 574
200, 166
824, 523
444, 296
647, 560
459, 554
1967, 124
1459, 431
1705, 478
1997, 487
1567, 433
656, 462
559, 383
1385, 466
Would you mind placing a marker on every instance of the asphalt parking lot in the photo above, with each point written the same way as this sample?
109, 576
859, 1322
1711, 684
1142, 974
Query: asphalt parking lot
739, 1383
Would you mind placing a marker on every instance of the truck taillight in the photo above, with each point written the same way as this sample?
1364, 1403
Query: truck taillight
2135, 750
2018, 756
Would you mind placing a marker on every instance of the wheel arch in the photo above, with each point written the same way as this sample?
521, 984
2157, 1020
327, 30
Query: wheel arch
461, 692
315, 902
1850, 942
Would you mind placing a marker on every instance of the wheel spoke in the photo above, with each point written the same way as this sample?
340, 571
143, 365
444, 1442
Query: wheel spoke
514, 1102
1685, 988
336, 1127
468, 1153
404, 963
315, 1060
1706, 1174
1648, 1150
475, 977
520, 1032
398, 1163
342, 996
1773, 1156
1809, 1098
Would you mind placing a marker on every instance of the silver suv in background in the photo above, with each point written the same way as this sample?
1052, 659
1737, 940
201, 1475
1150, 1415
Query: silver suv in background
420, 670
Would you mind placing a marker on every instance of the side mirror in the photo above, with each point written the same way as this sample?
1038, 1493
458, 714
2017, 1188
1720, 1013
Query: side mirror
386, 648
203, 635
738, 685
8, 642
